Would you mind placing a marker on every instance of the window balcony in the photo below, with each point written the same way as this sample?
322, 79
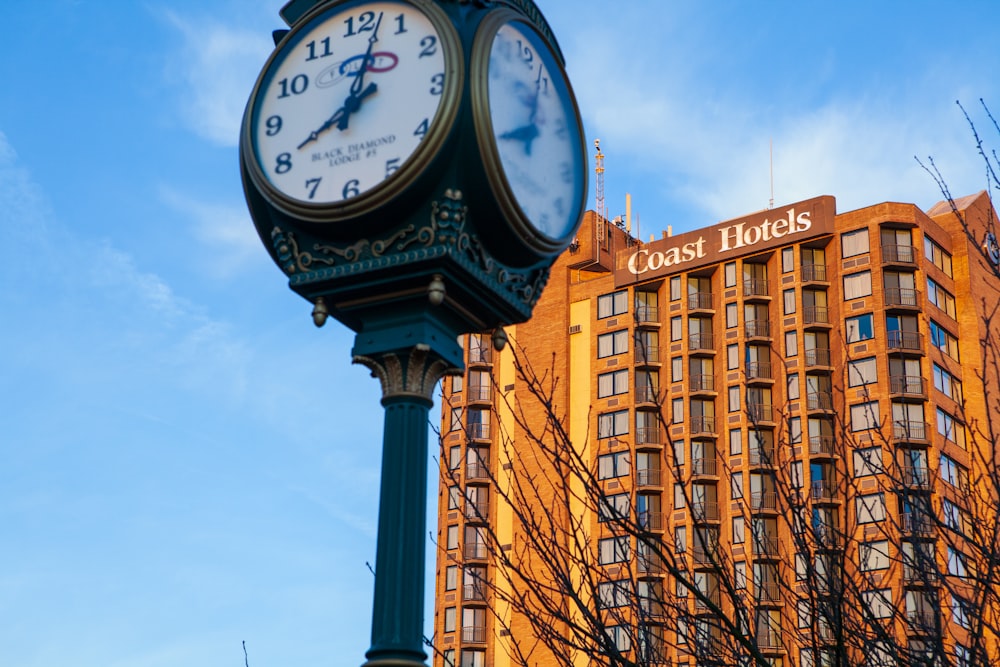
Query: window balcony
650, 564
813, 273
755, 287
704, 467
647, 315
901, 297
766, 547
760, 412
759, 370
481, 355
700, 301
762, 458
905, 255
648, 435
647, 356
477, 511
769, 640
480, 393
475, 550
705, 511
702, 425
705, 555
916, 525
922, 621
647, 394
474, 592
652, 521
819, 401
768, 592
479, 431
823, 491
713, 597
474, 634
648, 477
764, 501
816, 315
701, 343
907, 386
477, 472
818, 357
917, 479
757, 328
702, 383
822, 445
904, 341
910, 431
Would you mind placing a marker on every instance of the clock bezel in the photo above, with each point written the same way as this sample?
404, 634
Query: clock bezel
441, 127
486, 137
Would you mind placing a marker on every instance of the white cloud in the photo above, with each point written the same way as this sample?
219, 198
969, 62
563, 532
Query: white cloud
217, 65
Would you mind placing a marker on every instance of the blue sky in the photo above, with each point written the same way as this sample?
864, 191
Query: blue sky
185, 461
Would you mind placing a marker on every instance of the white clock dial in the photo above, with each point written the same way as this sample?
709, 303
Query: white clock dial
536, 130
346, 101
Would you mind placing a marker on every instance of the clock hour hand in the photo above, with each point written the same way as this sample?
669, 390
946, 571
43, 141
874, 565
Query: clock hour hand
525, 133
342, 115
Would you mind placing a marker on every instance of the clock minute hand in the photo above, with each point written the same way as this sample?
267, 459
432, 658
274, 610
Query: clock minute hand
525, 133
335, 119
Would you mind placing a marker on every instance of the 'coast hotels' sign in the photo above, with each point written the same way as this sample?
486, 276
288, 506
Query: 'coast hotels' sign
740, 236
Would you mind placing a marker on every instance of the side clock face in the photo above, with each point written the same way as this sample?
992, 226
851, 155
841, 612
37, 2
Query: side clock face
351, 102
536, 132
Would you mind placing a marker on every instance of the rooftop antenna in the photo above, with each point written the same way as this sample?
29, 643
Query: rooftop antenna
599, 188
770, 203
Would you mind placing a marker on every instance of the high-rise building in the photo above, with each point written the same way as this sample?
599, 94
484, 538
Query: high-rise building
779, 419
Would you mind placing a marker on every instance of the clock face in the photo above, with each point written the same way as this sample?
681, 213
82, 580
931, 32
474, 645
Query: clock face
346, 102
536, 131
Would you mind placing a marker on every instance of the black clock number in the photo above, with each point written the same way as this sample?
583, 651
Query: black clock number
284, 163
391, 166
273, 124
366, 23
421, 129
429, 46
527, 55
560, 206
311, 185
561, 132
324, 51
351, 188
437, 82
401, 27
297, 86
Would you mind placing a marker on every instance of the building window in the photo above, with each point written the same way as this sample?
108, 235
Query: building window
609, 305
678, 449
941, 298
859, 328
735, 442
942, 339
612, 384
448, 657
794, 430
455, 457
732, 315
739, 530
740, 575
953, 473
620, 637
675, 288
792, 386
947, 384
854, 243
473, 658
613, 343
873, 555
612, 424
857, 285
732, 357
679, 499
791, 343
787, 259
870, 508
938, 256
879, 602
613, 465
454, 497
868, 461
456, 419
795, 474
734, 398
789, 297
737, 486
950, 428
611, 594
613, 550
456, 384
676, 328
678, 411
865, 416
680, 539
729, 270
862, 372
956, 563
677, 369
613, 507
449, 619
